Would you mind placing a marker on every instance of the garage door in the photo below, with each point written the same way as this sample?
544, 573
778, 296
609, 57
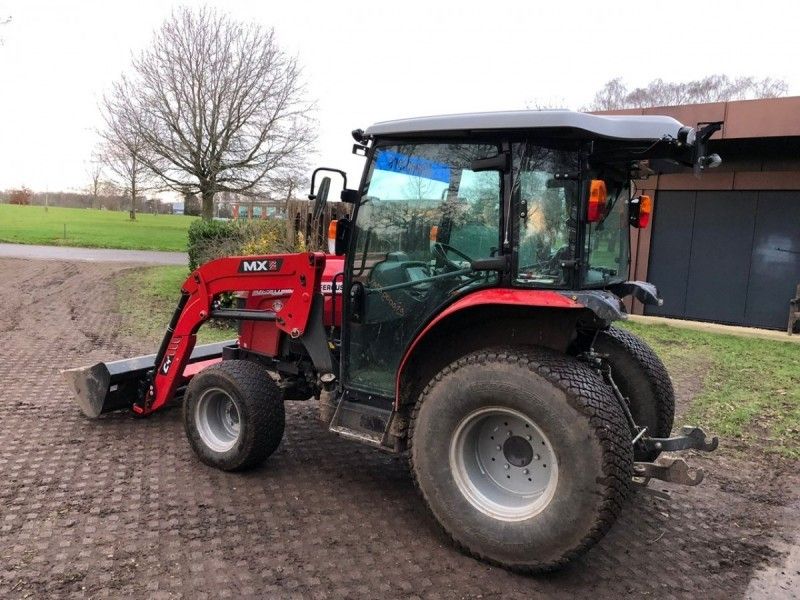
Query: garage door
728, 257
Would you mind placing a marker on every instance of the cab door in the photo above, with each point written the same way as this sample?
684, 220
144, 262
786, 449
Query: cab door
424, 216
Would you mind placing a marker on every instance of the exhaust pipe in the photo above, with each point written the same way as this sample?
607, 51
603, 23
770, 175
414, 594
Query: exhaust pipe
106, 387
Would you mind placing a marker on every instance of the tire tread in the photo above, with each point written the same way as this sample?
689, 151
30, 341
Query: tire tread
589, 395
265, 409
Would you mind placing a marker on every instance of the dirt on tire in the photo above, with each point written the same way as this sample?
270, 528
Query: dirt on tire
120, 506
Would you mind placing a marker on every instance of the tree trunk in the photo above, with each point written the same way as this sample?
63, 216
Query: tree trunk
208, 203
133, 198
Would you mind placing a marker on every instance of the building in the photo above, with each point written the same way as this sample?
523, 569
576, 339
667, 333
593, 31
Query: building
725, 247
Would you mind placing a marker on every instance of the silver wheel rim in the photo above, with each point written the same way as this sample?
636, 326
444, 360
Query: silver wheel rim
217, 419
503, 463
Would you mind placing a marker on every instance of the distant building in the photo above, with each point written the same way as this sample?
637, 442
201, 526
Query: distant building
725, 247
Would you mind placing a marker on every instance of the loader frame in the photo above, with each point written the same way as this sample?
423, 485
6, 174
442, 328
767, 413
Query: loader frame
300, 316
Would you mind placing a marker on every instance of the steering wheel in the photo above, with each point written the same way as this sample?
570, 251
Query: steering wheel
440, 249
550, 265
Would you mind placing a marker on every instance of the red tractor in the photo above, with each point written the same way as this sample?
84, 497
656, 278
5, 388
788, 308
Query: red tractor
464, 318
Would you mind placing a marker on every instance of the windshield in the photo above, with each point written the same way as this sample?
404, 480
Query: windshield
424, 202
424, 216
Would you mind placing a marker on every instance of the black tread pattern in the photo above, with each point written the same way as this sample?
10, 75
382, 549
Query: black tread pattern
266, 411
590, 396
655, 371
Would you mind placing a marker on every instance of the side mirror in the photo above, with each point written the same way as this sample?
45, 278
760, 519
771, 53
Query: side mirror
342, 236
321, 197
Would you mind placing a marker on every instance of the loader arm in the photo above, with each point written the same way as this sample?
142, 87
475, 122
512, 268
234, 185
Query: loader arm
302, 273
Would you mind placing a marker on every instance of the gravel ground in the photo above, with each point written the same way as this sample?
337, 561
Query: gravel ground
120, 506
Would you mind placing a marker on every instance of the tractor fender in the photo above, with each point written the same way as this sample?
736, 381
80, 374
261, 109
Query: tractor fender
481, 306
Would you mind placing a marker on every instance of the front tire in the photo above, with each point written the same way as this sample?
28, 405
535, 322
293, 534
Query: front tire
561, 449
233, 415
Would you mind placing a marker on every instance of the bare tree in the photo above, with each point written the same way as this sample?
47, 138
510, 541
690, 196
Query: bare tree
286, 182
218, 105
123, 151
714, 88
95, 173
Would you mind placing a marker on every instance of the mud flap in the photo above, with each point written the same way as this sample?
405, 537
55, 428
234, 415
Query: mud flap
106, 387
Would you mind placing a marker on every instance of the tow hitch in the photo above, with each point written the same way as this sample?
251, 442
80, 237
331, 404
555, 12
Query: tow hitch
691, 438
675, 470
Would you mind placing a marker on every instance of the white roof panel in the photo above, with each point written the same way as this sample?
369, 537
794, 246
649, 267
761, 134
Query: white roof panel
623, 127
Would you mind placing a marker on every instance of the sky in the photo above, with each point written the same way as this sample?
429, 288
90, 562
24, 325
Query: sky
369, 61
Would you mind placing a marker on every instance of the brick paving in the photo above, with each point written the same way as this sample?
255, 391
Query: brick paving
120, 506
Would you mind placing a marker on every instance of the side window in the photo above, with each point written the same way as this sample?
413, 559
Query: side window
547, 209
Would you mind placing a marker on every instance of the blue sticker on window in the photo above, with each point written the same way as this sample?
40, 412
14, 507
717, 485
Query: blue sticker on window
415, 166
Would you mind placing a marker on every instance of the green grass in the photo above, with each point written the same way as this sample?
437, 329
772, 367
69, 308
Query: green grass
750, 387
92, 228
147, 298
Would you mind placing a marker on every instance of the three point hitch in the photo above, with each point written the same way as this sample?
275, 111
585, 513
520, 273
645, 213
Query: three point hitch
674, 470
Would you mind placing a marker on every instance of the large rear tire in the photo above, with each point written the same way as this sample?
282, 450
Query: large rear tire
233, 415
643, 379
522, 455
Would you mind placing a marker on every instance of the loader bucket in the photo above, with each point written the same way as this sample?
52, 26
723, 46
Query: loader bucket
105, 387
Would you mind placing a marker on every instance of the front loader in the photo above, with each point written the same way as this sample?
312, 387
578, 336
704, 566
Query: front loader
464, 317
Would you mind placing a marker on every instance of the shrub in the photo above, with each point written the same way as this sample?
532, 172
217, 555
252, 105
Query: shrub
214, 239
204, 236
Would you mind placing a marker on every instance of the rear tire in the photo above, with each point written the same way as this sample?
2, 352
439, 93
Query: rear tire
497, 513
233, 415
643, 379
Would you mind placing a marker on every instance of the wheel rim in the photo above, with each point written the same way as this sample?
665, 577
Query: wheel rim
217, 419
503, 463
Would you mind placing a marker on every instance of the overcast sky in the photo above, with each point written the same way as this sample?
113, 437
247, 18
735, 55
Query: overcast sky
376, 60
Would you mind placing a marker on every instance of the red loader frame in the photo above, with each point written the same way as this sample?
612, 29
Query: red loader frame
300, 316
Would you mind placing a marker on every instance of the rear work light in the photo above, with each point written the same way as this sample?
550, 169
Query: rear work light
332, 236
641, 207
597, 201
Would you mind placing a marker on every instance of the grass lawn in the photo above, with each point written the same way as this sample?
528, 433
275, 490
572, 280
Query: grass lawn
750, 387
92, 228
147, 298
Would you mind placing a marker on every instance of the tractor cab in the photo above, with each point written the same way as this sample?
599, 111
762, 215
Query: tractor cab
538, 203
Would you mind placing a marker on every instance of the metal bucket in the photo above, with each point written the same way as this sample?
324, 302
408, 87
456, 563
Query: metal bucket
109, 386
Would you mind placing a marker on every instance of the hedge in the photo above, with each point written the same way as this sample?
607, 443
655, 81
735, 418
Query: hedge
214, 239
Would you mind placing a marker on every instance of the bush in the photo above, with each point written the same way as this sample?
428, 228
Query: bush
203, 236
214, 239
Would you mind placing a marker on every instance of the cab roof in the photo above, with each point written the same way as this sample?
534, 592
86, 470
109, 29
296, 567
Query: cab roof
619, 127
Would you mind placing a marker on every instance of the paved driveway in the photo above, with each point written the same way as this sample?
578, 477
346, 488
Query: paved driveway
92, 254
